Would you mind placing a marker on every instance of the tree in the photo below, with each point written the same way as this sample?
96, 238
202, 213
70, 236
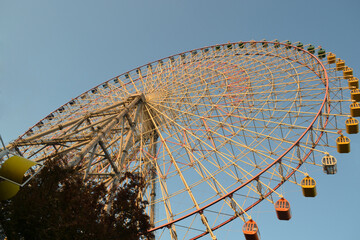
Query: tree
59, 204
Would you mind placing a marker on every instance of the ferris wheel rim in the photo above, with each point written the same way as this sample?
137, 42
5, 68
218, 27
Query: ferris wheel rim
326, 79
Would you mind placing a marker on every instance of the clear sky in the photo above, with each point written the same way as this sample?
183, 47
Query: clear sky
52, 51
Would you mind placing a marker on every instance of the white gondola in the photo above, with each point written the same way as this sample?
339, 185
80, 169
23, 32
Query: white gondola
329, 164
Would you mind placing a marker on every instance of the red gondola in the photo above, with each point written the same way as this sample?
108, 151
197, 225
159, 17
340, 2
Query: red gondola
282, 208
251, 230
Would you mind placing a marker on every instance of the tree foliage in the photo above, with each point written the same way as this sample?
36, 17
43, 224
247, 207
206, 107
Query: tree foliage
59, 204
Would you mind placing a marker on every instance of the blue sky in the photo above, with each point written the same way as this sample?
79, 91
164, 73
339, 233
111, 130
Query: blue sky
52, 51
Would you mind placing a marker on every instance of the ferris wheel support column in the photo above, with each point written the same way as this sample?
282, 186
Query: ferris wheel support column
132, 124
153, 183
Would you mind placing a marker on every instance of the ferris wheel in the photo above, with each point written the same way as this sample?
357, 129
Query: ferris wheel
213, 131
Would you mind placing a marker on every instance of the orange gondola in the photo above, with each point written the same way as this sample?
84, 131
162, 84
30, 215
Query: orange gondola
282, 208
251, 230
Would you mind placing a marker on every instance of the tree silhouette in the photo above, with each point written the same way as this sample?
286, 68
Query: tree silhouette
59, 204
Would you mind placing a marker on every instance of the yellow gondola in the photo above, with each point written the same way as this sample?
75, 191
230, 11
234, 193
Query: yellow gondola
343, 144
348, 73
355, 109
308, 185
331, 58
340, 64
355, 95
12, 172
353, 82
352, 125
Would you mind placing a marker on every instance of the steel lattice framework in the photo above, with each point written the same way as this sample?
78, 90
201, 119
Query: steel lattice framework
214, 131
